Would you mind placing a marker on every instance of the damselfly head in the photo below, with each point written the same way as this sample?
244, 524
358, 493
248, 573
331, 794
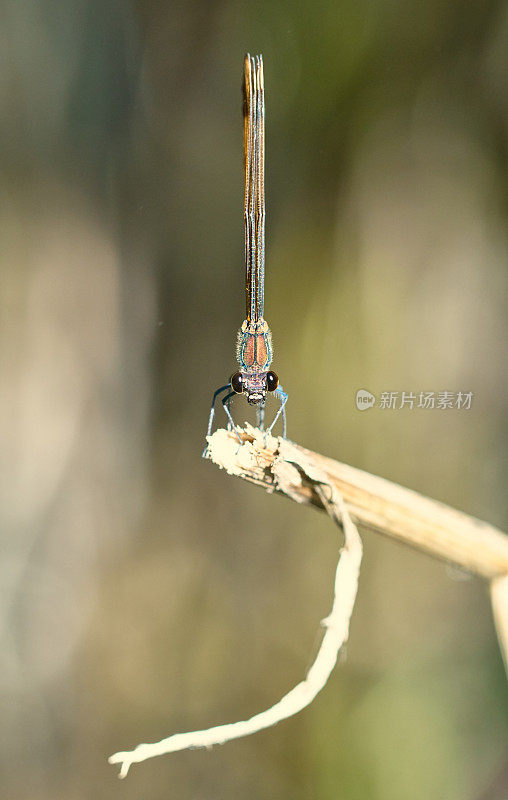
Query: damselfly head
254, 385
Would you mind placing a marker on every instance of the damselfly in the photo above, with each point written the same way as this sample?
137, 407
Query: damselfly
254, 343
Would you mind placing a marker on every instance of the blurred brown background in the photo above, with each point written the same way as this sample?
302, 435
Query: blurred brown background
143, 592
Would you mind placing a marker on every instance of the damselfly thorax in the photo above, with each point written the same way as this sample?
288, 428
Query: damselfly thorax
254, 354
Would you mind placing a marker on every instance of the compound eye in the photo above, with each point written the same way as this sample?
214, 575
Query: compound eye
272, 381
237, 382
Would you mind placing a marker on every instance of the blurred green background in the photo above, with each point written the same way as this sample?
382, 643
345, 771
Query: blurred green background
143, 592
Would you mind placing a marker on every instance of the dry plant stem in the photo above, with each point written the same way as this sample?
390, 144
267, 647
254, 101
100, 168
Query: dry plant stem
354, 496
282, 466
499, 599
375, 503
336, 633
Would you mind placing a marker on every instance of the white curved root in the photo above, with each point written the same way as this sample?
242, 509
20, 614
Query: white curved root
337, 631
